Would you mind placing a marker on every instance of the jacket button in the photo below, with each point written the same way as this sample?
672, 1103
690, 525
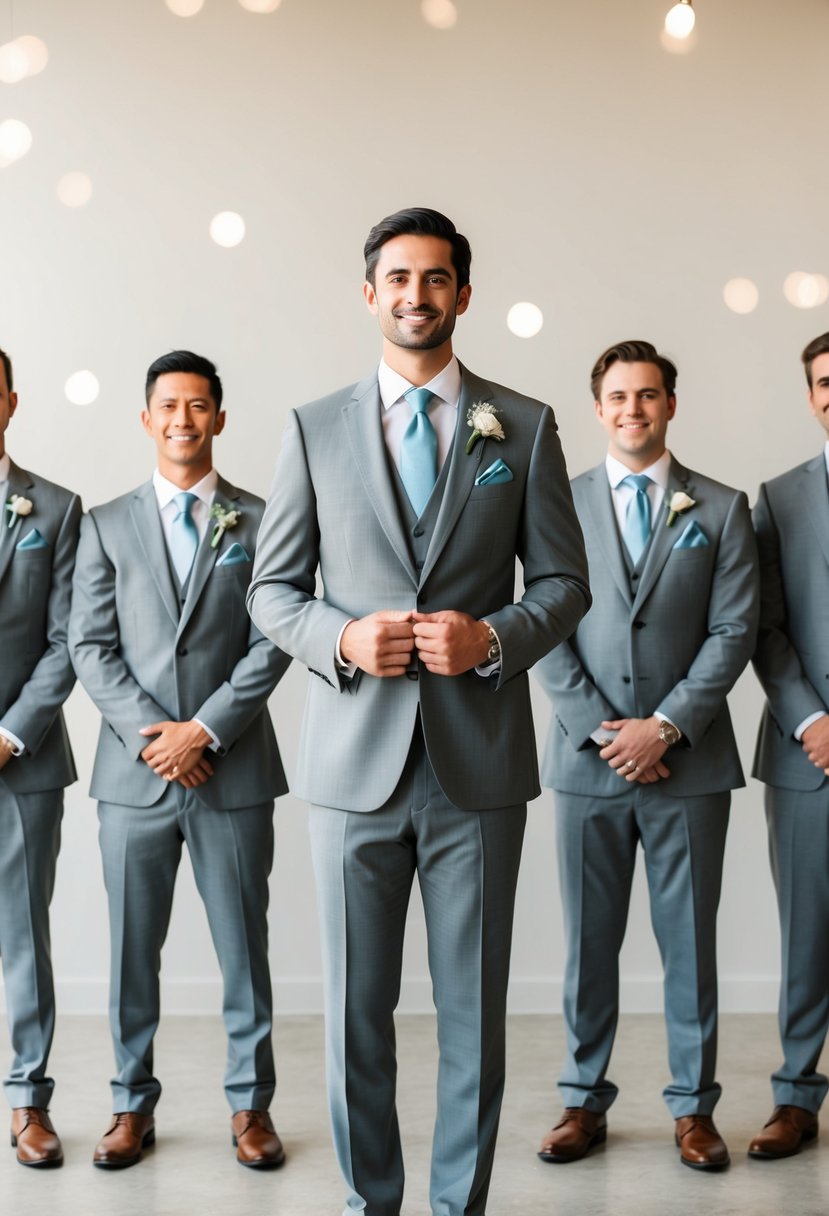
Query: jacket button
417, 532
412, 675
625, 679
634, 576
639, 624
182, 651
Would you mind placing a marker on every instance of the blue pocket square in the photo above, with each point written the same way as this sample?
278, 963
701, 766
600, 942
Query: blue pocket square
495, 475
692, 538
33, 541
235, 555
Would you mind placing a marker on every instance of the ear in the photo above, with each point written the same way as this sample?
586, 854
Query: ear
811, 401
464, 296
370, 296
597, 406
219, 424
146, 421
671, 407
12, 404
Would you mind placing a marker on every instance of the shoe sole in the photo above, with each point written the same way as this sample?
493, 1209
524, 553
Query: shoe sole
147, 1142
598, 1138
711, 1166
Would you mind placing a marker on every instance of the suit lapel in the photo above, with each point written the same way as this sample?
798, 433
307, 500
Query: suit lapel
462, 470
19, 483
816, 497
361, 416
206, 555
147, 522
602, 516
663, 538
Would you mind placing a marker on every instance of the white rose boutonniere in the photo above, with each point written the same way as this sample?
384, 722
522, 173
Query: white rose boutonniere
17, 506
481, 417
225, 520
679, 503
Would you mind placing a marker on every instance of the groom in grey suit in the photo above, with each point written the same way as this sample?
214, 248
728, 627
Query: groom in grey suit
161, 641
791, 520
417, 749
38, 539
641, 748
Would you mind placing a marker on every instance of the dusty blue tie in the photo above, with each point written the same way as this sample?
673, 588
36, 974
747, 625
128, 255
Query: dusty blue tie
184, 536
419, 451
638, 518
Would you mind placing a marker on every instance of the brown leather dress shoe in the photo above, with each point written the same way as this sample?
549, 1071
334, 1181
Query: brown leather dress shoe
788, 1129
577, 1131
35, 1138
700, 1144
122, 1142
257, 1144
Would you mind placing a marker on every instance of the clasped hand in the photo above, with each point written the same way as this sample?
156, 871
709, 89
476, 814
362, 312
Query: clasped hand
177, 752
383, 643
636, 752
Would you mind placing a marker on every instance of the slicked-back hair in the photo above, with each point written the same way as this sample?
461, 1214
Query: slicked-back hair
817, 346
185, 361
635, 351
7, 367
418, 221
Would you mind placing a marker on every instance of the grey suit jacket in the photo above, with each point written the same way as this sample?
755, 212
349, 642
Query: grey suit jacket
144, 658
791, 520
36, 674
676, 645
333, 508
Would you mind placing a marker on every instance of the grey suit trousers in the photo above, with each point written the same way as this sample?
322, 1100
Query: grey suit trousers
29, 845
467, 867
683, 841
231, 854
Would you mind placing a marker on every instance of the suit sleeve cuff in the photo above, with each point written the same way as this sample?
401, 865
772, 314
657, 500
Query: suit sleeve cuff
18, 747
806, 723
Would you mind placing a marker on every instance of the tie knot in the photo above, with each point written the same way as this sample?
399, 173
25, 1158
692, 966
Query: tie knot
184, 501
637, 481
419, 398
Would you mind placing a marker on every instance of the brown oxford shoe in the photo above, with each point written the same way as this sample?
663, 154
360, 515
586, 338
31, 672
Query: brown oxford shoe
577, 1131
700, 1144
257, 1144
35, 1138
122, 1142
788, 1129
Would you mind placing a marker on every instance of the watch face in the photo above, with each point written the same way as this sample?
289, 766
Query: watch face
668, 733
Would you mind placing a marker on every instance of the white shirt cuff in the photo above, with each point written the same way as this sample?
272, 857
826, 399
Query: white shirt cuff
343, 666
807, 722
489, 669
19, 747
665, 718
216, 745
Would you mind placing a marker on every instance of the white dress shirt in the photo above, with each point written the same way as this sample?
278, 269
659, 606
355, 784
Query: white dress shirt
821, 713
204, 490
5, 462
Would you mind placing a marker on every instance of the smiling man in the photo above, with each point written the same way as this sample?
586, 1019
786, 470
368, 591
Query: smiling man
417, 751
791, 520
162, 643
641, 750
38, 539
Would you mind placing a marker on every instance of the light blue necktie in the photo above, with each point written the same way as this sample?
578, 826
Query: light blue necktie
184, 536
638, 517
419, 451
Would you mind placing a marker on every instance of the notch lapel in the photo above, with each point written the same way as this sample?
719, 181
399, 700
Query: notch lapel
816, 496
19, 482
361, 417
147, 522
206, 556
664, 538
599, 501
462, 469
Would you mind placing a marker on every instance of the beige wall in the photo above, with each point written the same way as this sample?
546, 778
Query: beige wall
615, 185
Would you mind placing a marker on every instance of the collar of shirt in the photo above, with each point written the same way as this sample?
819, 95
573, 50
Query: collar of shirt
658, 472
825, 457
5, 466
442, 411
165, 492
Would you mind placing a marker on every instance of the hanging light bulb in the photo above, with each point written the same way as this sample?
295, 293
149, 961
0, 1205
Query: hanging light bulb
680, 19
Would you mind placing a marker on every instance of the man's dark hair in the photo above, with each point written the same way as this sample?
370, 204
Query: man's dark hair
418, 221
817, 346
7, 365
632, 352
185, 361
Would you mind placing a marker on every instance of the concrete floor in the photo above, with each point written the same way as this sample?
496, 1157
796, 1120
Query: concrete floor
192, 1169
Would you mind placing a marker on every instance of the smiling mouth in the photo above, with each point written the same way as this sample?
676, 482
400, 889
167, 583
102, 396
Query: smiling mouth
416, 316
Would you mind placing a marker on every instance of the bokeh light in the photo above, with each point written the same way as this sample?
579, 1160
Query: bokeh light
741, 295
82, 388
227, 229
185, 8
805, 290
74, 189
15, 141
525, 319
441, 14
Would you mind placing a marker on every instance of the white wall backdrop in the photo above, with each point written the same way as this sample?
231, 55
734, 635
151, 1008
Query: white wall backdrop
615, 185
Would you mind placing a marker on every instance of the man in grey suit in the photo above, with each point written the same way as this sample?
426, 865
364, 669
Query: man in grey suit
162, 643
791, 520
417, 749
641, 748
38, 539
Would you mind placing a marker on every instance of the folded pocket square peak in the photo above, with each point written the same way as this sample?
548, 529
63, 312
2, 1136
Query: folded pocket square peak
235, 555
33, 540
495, 475
692, 538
